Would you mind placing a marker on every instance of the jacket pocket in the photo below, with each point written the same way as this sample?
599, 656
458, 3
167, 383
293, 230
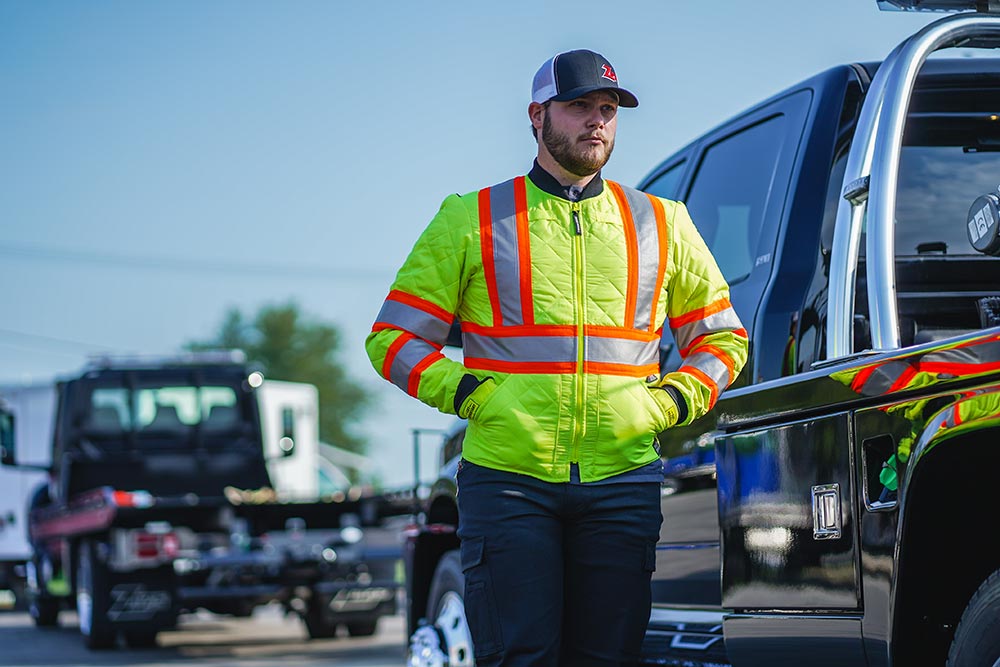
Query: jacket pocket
481, 608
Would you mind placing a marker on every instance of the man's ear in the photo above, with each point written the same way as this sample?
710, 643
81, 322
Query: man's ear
536, 114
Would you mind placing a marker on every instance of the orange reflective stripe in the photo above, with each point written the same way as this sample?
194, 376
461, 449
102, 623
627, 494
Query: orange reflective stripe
421, 304
742, 333
523, 250
661, 232
705, 380
521, 330
390, 354
631, 250
540, 367
414, 383
604, 368
700, 313
486, 245
603, 331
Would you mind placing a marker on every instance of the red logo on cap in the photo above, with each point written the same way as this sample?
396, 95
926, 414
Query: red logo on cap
609, 73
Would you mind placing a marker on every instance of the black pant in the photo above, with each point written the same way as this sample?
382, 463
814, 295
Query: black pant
556, 574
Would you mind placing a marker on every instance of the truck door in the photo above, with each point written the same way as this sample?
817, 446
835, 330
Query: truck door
735, 197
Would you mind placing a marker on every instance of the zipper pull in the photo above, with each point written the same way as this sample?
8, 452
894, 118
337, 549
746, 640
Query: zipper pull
576, 223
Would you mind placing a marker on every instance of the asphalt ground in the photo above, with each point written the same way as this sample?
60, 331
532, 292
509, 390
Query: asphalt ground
266, 639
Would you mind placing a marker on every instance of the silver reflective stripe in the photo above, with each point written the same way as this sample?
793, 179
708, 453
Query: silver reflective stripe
884, 377
621, 351
505, 258
725, 320
411, 354
520, 348
710, 365
414, 320
646, 233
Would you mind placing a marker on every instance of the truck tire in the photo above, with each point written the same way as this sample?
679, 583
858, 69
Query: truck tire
445, 636
140, 638
44, 611
317, 620
92, 598
43, 608
362, 628
977, 639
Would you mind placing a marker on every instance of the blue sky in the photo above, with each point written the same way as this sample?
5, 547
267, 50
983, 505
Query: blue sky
161, 162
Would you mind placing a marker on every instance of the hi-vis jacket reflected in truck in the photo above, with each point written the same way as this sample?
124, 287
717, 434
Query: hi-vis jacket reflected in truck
562, 304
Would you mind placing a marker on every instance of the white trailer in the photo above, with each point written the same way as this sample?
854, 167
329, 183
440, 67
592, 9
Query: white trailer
33, 408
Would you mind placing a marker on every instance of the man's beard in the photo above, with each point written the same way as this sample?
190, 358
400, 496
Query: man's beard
572, 159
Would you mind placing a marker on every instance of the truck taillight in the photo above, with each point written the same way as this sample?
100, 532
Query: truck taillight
132, 498
150, 545
170, 545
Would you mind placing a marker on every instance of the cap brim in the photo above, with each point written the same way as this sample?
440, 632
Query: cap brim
625, 98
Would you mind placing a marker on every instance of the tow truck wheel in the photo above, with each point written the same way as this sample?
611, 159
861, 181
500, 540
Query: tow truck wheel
92, 598
140, 638
977, 639
318, 623
445, 641
362, 628
44, 609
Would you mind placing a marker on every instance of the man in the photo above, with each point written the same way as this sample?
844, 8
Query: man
562, 282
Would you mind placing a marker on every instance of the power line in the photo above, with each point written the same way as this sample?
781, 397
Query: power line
164, 263
50, 340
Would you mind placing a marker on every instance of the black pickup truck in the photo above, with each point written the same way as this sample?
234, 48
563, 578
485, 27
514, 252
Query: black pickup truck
160, 502
835, 506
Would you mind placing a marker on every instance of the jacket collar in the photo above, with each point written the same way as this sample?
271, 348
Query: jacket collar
546, 182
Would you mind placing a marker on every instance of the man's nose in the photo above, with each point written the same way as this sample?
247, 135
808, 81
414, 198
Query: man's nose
596, 118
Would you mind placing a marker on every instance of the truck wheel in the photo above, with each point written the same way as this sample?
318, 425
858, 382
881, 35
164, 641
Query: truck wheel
318, 623
445, 639
977, 639
362, 628
140, 638
44, 612
44, 609
92, 598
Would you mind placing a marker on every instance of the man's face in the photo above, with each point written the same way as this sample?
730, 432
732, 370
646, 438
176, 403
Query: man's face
580, 133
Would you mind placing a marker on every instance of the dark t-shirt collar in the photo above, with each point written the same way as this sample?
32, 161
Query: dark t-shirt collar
547, 183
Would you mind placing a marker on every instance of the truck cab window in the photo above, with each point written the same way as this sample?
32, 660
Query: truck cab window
730, 191
667, 184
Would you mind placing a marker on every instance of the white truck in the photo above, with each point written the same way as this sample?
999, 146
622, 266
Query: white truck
32, 407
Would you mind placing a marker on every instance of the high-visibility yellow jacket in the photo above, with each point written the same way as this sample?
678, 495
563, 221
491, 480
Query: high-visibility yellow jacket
561, 303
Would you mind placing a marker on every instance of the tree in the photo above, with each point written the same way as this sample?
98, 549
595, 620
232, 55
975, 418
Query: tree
295, 348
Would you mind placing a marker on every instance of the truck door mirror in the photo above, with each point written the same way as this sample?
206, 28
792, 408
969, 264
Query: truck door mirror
287, 441
7, 456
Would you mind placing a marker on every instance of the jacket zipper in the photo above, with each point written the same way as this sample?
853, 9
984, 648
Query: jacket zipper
578, 288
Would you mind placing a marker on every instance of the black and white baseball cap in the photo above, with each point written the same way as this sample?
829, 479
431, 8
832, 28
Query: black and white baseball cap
569, 75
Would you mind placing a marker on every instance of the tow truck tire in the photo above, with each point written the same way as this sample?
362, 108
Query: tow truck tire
44, 611
444, 635
92, 598
318, 623
140, 638
43, 608
362, 628
977, 638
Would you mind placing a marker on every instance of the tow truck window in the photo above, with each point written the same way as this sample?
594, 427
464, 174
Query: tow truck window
667, 184
729, 193
163, 409
937, 185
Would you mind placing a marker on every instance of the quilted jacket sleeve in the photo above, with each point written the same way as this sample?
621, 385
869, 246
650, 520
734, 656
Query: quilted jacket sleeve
413, 324
708, 333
